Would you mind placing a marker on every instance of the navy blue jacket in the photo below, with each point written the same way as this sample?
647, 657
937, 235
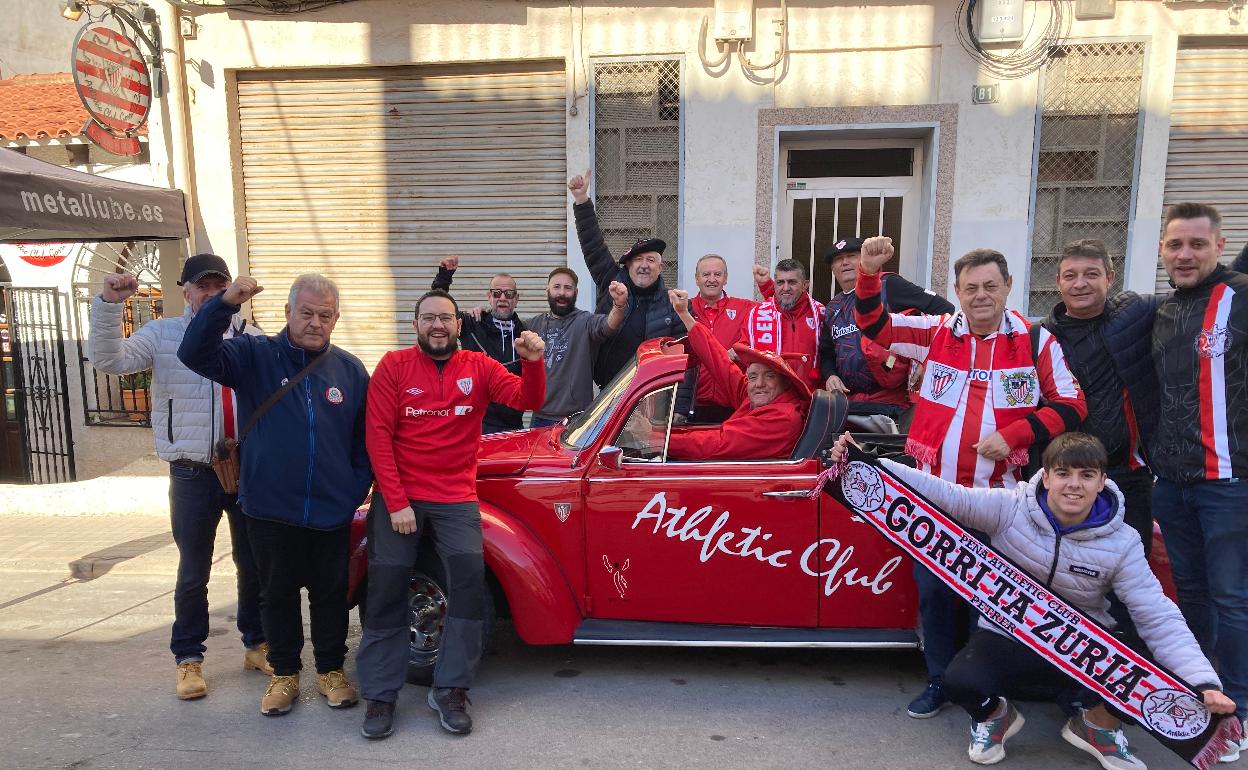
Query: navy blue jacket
304, 461
1127, 329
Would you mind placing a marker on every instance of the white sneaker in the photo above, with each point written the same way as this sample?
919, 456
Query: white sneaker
1232, 753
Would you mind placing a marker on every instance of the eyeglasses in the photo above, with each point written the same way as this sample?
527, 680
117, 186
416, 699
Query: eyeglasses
427, 319
508, 293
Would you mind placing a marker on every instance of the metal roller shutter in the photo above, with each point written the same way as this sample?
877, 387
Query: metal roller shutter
1208, 155
371, 176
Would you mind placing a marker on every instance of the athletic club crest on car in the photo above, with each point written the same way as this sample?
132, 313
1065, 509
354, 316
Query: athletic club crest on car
333, 396
465, 385
563, 511
1213, 342
942, 378
1019, 387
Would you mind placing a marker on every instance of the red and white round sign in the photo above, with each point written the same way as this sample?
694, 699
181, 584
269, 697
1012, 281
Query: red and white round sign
112, 79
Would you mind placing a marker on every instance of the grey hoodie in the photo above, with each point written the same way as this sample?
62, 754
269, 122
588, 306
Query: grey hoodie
571, 344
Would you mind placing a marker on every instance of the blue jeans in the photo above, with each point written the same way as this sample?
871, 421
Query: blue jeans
946, 620
1205, 528
544, 422
196, 501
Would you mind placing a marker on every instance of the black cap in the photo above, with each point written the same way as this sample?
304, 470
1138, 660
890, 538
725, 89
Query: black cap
641, 246
202, 264
843, 246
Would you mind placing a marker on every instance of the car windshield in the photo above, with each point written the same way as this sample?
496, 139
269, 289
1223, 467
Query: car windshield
585, 427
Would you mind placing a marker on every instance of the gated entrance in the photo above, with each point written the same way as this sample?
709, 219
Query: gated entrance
36, 393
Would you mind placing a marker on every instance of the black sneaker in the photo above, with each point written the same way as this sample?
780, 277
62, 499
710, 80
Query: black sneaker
378, 720
930, 702
450, 703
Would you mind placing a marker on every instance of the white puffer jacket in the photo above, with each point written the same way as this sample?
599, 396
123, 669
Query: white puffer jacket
1081, 566
186, 408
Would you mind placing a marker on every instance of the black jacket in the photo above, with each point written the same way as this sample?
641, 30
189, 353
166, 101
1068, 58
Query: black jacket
649, 313
485, 337
1202, 365
1125, 329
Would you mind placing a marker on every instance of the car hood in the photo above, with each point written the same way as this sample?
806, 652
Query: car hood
507, 454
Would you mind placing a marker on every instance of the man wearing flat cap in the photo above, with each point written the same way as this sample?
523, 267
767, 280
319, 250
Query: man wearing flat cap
649, 313
874, 379
771, 399
190, 414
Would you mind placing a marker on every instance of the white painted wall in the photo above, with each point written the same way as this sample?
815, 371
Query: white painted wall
840, 55
34, 37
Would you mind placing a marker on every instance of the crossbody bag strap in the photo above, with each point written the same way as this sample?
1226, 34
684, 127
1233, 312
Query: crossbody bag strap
282, 391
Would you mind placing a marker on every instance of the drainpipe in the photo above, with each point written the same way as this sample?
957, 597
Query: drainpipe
179, 116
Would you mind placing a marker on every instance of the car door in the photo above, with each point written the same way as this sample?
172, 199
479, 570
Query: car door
697, 542
864, 580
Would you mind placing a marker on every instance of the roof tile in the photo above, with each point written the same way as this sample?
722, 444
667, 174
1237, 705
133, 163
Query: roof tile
41, 107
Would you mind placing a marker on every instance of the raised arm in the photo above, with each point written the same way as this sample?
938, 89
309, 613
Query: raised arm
203, 350
528, 391
593, 246
908, 336
446, 273
107, 349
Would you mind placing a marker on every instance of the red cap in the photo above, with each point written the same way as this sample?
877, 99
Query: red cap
747, 355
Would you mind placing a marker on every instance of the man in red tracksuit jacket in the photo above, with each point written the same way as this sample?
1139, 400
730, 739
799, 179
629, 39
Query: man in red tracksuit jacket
723, 316
425, 407
771, 400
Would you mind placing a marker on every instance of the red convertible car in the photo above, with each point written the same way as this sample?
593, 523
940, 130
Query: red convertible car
594, 535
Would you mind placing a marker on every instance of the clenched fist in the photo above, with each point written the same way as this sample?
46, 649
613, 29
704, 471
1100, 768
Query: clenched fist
119, 287
530, 346
761, 274
680, 301
579, 186
244, 288
619, 294
450, 263
875, 253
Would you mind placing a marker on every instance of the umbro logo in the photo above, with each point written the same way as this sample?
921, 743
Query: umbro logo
414, 391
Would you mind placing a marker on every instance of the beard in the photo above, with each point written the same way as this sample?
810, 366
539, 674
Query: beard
561, 307
449, 347
786, 304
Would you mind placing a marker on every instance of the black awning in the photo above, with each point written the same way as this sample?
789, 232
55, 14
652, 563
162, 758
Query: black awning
44, 202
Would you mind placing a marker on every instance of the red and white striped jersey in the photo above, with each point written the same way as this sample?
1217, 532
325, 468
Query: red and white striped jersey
973, 386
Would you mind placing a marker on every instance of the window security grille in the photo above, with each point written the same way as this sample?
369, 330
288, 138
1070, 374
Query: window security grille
637, 132
1085, 176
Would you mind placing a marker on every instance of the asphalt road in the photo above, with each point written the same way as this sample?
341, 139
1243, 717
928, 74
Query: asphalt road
88, 683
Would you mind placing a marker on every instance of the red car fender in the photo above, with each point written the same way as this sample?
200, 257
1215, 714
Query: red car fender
543, 607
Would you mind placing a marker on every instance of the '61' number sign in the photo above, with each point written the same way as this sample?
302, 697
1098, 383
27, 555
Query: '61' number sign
114, 85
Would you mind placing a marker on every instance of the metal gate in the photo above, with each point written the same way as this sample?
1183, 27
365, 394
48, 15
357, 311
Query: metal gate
42, 392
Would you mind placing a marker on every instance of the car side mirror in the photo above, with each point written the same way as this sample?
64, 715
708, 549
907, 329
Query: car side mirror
611, 457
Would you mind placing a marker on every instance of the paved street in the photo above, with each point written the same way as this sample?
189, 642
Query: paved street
85, 606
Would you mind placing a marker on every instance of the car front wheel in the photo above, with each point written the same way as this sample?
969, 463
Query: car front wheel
427, 608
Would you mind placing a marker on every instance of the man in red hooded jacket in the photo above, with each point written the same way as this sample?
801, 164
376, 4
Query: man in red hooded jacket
772, 400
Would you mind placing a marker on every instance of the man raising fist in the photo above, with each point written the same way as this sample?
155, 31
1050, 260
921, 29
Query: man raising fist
425, 406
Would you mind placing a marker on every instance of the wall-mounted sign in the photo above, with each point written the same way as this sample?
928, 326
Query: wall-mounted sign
114, 85
984, 94
44, 254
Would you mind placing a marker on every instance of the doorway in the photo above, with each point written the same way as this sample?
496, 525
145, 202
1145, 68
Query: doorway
849, 190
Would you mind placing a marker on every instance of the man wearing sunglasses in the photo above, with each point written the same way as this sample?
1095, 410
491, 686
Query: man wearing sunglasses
493, 334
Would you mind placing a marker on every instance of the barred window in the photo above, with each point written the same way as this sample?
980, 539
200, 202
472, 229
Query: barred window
637, 140
1085, 174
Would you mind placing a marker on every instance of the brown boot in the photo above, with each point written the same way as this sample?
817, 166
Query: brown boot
257, 659
281, 694
338, 692
191, 684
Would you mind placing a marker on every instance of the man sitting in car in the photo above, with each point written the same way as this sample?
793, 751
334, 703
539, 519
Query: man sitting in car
772, 399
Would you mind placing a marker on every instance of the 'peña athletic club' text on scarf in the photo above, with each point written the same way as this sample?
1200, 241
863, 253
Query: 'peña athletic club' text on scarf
1005, 594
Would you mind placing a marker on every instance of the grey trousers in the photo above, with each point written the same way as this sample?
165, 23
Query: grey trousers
381, 662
